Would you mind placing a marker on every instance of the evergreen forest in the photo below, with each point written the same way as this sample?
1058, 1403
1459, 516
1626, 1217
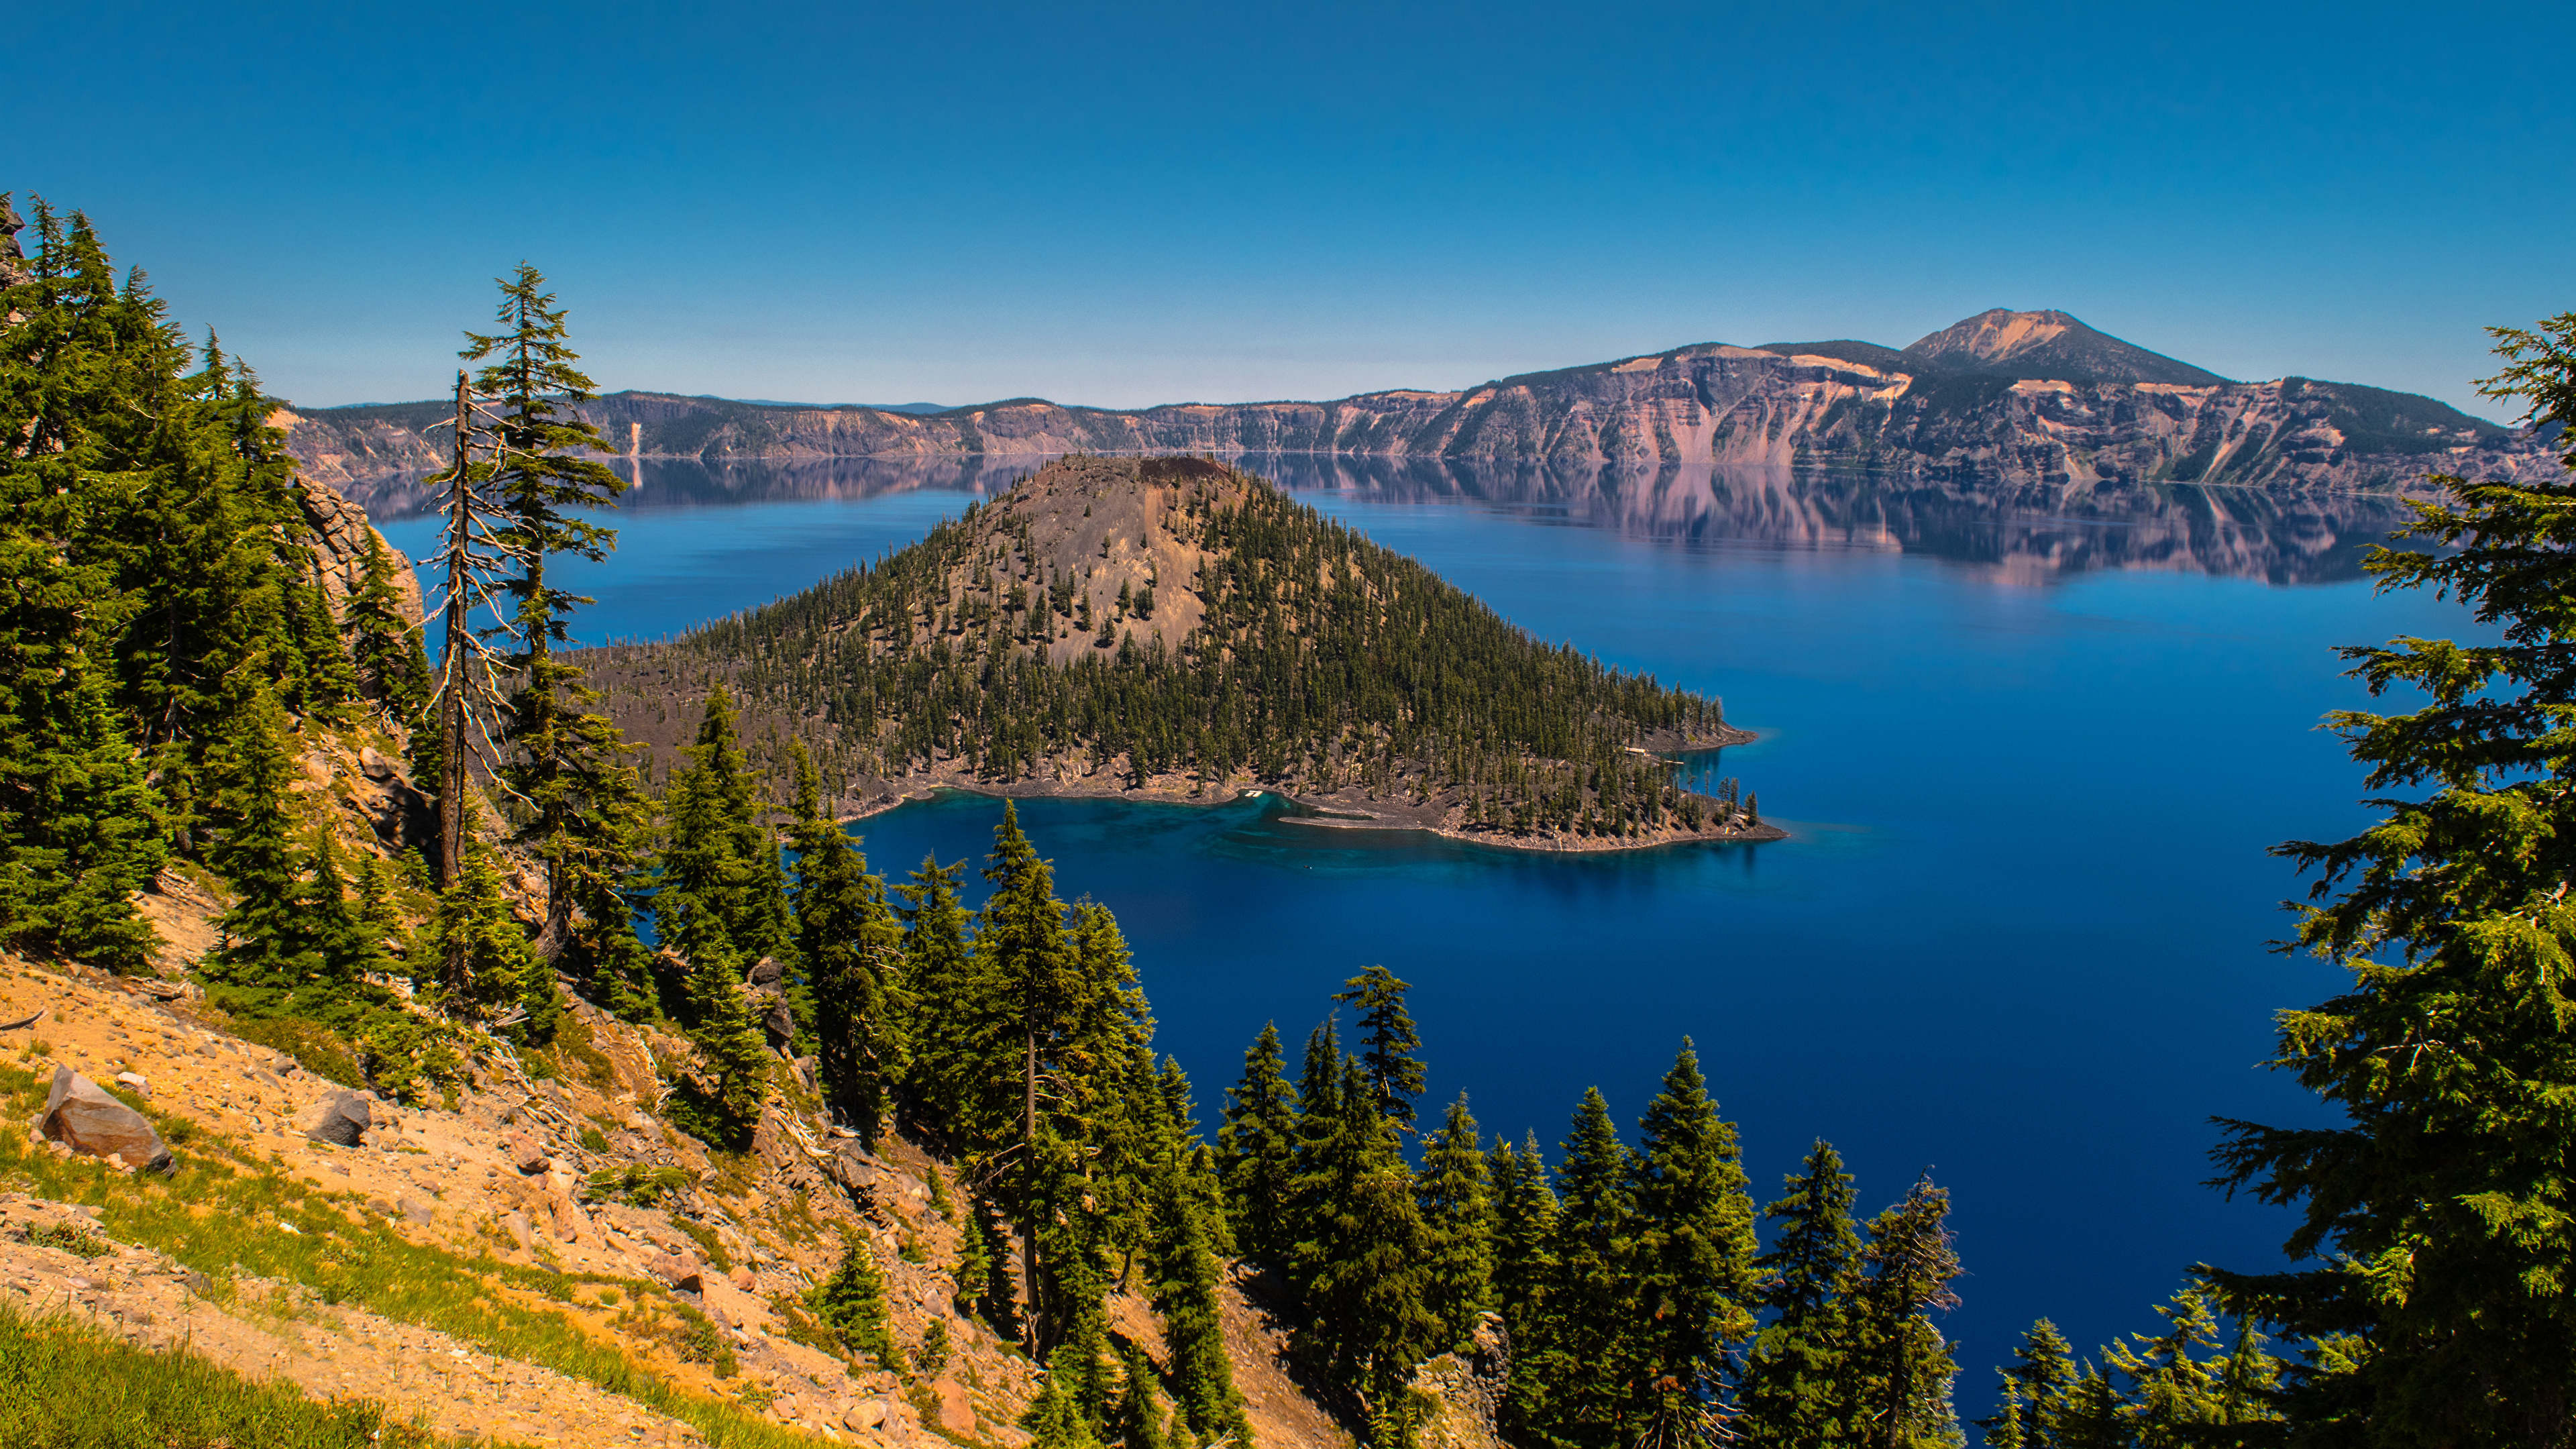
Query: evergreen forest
181, 655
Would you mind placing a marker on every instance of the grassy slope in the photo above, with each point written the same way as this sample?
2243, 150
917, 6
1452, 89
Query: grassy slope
218, 1213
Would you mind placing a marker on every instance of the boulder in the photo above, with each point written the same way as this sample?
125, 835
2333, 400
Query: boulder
416, 1209
135, 1082
524, 1153
956, 1410
566, 1220
374, 766
766, 972
779, 1023
680, 1271
520, 1231
864, 1415
81, 1116
343, 1120
742, 1278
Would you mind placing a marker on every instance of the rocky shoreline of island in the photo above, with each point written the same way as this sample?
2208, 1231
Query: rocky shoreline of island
1442, 814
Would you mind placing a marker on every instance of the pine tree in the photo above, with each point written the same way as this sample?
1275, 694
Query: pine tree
852, 948
719, 868
2036, 1391
1589, 1348
1388, 1042
2098, 1419
1525, 1275
392, 667
1696, 1282
1897, 1368
852, 1304
1378, 1287
1132, 1422
721, 1023
1457, 1199
1257, 1148
953, 1017
78, 824
1316, 1167
2434, 1223
323, 909
1185, 1294
1791, 1388
325, 681
264, 940
1054, 1420
2182, 1382
504, 981
555, 749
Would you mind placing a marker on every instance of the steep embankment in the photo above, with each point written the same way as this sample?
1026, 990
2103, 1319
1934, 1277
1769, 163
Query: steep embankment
518, 1248
1171, 628
2004, 397
535, 1256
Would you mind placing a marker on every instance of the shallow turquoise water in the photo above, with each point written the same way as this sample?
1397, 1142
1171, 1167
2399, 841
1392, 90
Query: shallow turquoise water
2017, 936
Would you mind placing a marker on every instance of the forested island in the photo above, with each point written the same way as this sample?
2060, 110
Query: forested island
1172, 628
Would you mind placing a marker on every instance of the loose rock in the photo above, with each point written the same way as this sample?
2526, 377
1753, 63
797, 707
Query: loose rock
343, 1120
82, 1117
525, 1154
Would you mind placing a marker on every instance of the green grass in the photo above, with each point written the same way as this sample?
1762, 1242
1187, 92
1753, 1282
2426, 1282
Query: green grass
220, 1213
66, 1385
78, 1241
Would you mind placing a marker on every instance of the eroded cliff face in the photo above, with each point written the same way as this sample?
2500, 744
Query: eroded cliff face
1710, 405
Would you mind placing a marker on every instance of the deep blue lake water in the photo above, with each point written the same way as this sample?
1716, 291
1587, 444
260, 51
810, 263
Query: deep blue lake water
2031, 756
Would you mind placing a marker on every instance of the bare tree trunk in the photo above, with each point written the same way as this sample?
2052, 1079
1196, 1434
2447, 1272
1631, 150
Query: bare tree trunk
451, 713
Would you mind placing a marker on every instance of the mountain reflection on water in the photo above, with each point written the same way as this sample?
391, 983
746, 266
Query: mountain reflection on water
2016, 534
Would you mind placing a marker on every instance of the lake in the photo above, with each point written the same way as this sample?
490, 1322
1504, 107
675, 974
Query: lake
2031, 752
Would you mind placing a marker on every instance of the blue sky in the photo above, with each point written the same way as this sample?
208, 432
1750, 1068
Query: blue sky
1122, 205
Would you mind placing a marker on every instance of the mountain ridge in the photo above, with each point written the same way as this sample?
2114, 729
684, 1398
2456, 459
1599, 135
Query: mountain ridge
1971, 412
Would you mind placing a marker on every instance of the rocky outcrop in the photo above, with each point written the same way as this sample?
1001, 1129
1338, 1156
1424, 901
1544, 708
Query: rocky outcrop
2004, 397
341, 534
13, 260
1464, 1391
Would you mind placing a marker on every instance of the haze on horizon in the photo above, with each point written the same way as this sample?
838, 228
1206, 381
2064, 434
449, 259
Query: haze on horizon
1165, 204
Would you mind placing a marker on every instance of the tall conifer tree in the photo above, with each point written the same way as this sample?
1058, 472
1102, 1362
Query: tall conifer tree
1525, 1277
954, 1019
556, 750
1695, 1245
852, 948
1257, 1148
385, 646
1590, 1344
2434, 1223
1897, 1367
1791, 1394
1457, 1195
717, 887
1388, 1041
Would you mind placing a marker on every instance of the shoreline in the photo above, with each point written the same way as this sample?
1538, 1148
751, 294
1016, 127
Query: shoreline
1340, 810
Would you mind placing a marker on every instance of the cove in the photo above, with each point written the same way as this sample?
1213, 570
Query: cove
2031, 754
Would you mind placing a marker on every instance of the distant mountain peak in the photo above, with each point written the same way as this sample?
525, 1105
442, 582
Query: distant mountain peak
2049, 344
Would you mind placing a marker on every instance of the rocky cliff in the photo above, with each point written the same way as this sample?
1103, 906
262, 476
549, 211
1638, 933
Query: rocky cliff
2004, 397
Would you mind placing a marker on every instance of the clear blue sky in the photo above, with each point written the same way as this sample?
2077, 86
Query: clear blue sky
1130, 204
